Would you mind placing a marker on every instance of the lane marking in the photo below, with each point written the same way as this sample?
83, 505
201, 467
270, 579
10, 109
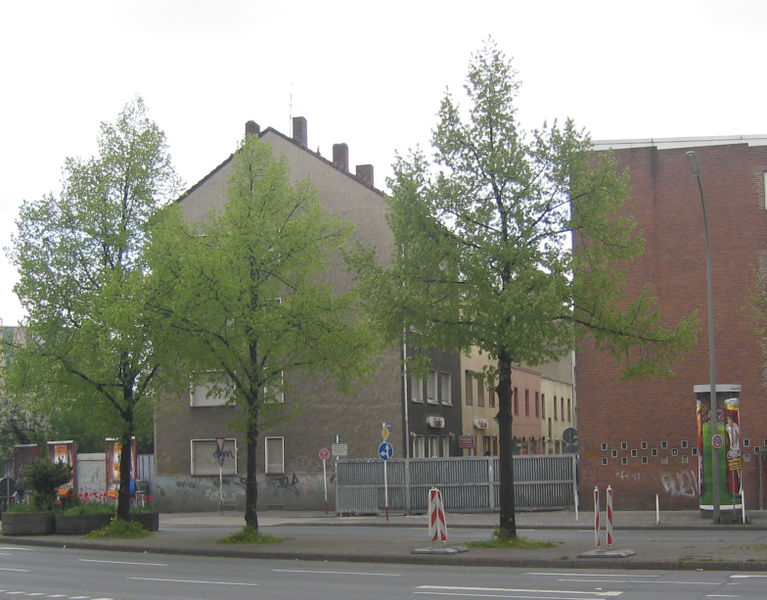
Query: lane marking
642, 581
515, 596
15, 570
739, 576
555, 574
459, 588
118, 562
168, 580
313, 572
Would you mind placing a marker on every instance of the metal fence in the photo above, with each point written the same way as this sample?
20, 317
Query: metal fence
468, 484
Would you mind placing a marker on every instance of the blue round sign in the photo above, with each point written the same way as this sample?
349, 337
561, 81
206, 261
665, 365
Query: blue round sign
385, 451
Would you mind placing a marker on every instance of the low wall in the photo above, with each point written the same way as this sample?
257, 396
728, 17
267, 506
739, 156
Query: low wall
290, 491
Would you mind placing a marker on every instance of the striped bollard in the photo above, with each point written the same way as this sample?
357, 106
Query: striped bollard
609, 524
597, 541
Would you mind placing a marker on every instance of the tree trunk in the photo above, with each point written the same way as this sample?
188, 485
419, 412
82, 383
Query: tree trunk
251, 485
126, 459
507, 525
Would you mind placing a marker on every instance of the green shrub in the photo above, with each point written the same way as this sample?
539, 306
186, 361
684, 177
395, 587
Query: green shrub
44, 477
121, 529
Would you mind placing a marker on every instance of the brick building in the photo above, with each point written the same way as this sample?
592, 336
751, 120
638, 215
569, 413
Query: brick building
641, 436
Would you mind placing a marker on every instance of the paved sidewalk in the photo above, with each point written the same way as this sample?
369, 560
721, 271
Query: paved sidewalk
198, 534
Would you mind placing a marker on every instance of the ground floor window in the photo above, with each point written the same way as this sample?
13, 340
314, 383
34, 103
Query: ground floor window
274, 454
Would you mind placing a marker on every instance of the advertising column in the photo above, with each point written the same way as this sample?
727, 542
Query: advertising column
723, 434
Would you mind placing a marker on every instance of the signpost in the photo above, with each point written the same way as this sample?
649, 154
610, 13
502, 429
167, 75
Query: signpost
220, 454
324, 456
385, 452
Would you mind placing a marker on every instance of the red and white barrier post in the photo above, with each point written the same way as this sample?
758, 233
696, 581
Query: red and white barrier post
437, 523
597, 541
609, 524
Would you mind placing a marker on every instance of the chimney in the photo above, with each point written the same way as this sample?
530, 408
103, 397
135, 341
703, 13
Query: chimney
341, 157
365, 172
299, 130
252, 128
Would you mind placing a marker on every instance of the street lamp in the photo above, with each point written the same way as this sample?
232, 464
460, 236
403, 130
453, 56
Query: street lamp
691, 158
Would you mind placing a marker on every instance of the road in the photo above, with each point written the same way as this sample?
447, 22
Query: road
68, 574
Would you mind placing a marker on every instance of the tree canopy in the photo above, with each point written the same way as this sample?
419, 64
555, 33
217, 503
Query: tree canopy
511, 241
247, 297
80, 257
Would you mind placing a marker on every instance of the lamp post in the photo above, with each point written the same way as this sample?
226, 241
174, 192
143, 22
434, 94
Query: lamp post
713, 417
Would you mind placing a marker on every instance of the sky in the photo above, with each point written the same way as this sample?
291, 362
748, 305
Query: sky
367, 73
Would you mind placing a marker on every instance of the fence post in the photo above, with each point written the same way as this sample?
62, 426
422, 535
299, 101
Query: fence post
490, 483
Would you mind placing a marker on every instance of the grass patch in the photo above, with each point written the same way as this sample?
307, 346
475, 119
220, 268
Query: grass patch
757, 547
118, 528
504, 541
251, 535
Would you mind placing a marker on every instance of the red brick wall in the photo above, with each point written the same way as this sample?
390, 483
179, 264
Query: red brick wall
623, 414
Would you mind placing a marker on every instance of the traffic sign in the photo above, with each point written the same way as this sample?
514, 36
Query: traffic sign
717, 440
324, 454
385, 451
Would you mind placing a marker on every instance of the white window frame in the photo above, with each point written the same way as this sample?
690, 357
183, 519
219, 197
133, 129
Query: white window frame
204, 450
432, 387
280, 440
433, 446
199, 395
419, 447
279, 396
416, 388
445, 388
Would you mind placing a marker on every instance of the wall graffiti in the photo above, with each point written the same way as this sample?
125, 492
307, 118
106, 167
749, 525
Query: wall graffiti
284, 483
681, 483
628, 475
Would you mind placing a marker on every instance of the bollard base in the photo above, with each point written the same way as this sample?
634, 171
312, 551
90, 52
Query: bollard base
609, 553
441, 550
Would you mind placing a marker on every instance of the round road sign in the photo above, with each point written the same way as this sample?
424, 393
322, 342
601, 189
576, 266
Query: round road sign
717, 441
324, 454
385, 451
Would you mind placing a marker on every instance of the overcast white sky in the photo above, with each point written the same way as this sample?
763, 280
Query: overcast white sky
367, 73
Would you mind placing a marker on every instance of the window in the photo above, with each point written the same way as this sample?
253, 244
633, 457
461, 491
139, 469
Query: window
431, 387
418, 447
416, 388
469, 392
764, 190
543, 406
445, 445
537, 406
527, 403
491, 394
480, 392
205, 394
274, 454
555, 408
562, 407
273, 393
569, 410
445, 391
433, 445
204, 457
516, 404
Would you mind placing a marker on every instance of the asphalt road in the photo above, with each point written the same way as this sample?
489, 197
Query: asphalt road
43, 572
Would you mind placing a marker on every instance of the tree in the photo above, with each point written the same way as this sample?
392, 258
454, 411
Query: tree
510, 242
83, 278
247, 299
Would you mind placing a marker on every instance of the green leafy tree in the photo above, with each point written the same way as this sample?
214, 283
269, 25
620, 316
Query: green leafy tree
248, 300
510, 242
44, 478
80, 257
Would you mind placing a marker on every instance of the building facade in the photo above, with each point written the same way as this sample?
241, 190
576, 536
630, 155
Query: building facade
190, 430
640, 436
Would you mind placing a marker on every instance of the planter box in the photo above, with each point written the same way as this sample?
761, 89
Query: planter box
27, 523
81, 524
148, 520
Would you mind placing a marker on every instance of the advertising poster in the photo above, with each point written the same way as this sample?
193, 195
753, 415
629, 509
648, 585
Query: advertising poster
113, 453
725, 434
64, 452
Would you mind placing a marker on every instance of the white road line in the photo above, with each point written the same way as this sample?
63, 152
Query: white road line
739, 576
117, 562
168, 580
555, 574
15, 548
640, 581
312, 572
722, 596
458, 588
15, 570
515, 596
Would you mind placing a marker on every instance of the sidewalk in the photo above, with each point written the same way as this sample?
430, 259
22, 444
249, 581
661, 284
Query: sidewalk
198, 534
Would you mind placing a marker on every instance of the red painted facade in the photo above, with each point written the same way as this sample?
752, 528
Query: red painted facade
640, 436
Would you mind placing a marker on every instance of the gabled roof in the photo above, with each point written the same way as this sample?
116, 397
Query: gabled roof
290, 140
